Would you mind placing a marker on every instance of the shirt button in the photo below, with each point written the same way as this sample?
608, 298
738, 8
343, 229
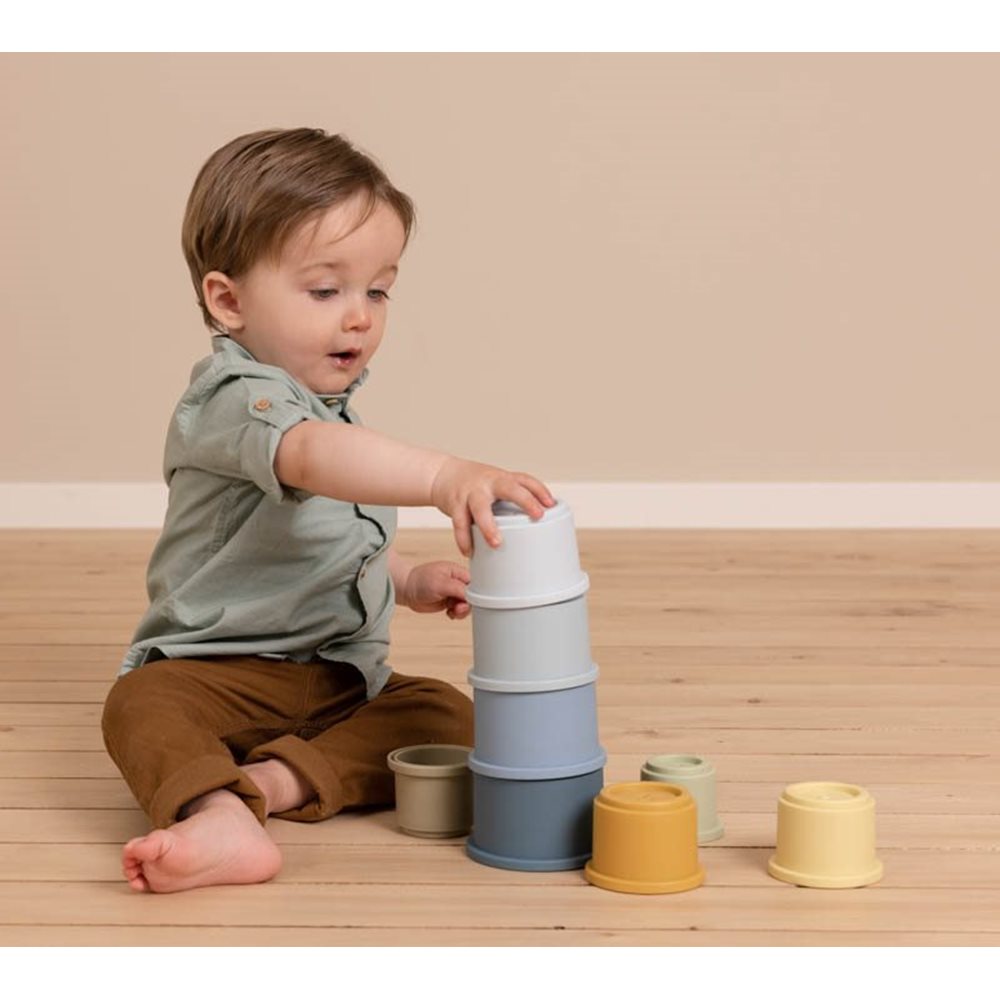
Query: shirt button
262, 404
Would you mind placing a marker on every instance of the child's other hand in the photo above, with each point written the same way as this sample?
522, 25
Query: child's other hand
438, 586
465, 491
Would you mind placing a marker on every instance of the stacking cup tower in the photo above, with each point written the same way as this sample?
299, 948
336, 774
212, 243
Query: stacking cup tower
537, 764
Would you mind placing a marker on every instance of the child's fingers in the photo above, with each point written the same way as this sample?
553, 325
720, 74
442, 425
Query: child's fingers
464, 541
482, 514
450, 584
458, 609
463, 534
537, 488
521, 495
526, 500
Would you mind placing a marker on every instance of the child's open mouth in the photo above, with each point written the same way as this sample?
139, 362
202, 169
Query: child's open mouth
344, 359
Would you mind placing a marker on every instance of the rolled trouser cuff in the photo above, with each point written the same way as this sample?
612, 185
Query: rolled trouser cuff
198, 777
328, 794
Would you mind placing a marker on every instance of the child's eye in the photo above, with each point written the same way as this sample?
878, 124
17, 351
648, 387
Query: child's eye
379, 295
322, 294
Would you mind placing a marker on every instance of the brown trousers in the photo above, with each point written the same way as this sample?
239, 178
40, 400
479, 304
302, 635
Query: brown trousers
177, 729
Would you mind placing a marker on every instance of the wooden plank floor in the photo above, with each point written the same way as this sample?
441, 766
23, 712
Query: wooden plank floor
867, 657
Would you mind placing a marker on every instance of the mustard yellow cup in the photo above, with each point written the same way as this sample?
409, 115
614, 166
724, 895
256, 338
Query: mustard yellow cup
645, 839
826, 836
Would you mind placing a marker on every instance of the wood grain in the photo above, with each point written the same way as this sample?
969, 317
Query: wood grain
870, 656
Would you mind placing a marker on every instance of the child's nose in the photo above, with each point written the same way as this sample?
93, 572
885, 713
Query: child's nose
358, 316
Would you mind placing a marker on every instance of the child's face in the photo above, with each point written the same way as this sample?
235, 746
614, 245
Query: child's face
303, 315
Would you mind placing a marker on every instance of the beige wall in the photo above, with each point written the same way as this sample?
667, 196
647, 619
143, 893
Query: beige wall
646, 267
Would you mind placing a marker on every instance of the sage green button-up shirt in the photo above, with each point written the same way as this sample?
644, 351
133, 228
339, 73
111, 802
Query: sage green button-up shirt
246, 565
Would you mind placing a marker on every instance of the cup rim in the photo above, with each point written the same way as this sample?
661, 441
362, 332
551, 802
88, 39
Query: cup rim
715, 832
550, 773
684, 765
840, 796
527, 864
511, 601
398, 762
644, 797
516, 686
825, 880
508, 519
641, 886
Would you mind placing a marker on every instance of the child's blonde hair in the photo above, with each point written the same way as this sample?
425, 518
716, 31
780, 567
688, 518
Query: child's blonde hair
254, 192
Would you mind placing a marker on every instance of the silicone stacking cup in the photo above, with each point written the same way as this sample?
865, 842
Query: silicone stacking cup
645, 839
826, 836
533, 826
695, 774
536, 734
532, 649
536, 562
433, 789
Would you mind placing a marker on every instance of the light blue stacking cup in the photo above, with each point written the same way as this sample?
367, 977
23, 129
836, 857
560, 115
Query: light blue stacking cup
533, 826
536, 735
532, 649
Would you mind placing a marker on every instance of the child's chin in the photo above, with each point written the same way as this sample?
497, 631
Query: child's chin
328, 383
328, 389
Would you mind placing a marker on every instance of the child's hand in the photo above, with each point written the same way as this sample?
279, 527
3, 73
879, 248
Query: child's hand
436, 586
465, 491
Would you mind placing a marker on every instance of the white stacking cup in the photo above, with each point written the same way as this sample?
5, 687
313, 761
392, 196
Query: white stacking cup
537, 562
532, 649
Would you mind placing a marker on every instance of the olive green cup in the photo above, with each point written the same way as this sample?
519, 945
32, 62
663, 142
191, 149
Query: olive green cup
433, 789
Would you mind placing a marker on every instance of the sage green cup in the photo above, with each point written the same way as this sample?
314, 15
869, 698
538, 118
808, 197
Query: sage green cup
433, 789
695, 774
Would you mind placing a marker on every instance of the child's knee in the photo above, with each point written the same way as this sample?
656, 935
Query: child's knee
118, 698
446, 707
119, 707
131, 703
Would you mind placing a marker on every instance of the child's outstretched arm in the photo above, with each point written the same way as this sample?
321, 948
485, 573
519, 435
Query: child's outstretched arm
348, 462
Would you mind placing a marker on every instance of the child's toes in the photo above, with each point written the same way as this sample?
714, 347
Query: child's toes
132, 867
149, 848
139, 883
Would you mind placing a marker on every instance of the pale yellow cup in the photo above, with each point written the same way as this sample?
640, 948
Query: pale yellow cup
826, 836
645, 839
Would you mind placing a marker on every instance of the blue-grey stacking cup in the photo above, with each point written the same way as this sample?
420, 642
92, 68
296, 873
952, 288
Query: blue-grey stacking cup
533, 826
532, 649
536, 735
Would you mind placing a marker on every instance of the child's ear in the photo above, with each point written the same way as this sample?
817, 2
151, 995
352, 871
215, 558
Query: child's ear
221, 299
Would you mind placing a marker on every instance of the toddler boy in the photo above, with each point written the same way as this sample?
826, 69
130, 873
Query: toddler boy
257, 684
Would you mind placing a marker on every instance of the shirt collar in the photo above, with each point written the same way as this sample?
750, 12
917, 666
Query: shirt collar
222, 343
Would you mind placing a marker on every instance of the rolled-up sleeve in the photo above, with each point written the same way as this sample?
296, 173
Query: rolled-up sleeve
233, 428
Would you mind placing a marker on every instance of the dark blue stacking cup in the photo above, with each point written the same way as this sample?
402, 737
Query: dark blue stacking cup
540, 826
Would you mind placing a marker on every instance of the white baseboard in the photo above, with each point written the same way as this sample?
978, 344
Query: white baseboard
595, 505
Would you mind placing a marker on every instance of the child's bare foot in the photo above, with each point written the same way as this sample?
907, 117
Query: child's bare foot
219, 843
